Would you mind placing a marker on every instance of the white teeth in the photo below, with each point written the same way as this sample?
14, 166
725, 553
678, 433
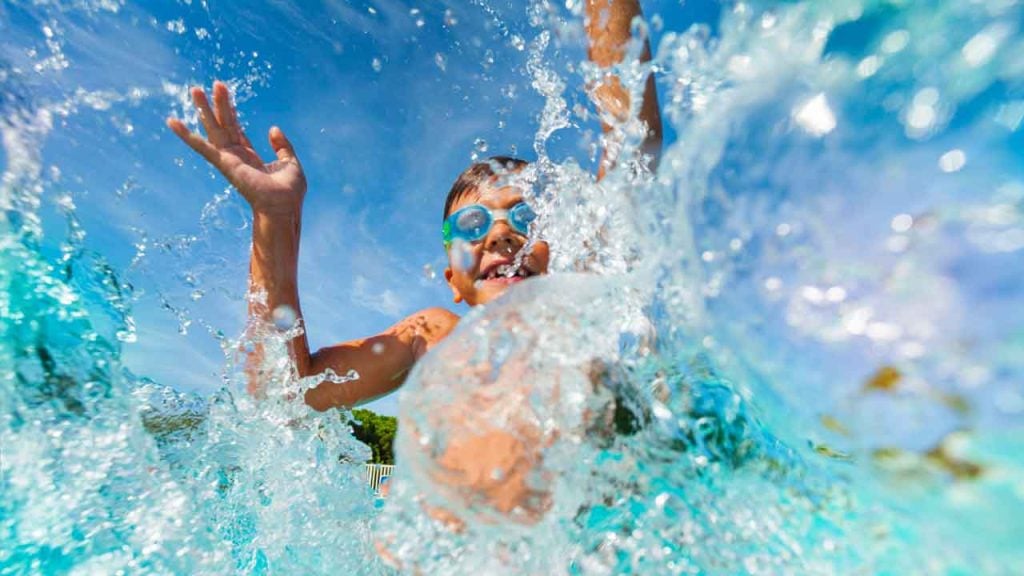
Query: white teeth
507, 271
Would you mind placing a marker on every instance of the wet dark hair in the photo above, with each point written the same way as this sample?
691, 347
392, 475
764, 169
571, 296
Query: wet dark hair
478, 174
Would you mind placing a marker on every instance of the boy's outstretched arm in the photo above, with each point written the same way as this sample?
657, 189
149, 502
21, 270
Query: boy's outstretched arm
275, 191
608, 24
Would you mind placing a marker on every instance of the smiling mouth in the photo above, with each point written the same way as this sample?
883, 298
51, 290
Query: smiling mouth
505, 274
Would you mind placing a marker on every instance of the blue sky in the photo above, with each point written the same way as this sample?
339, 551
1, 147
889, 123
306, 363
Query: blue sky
385, 102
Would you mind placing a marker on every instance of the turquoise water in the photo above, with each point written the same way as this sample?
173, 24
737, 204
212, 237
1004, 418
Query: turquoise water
806, 329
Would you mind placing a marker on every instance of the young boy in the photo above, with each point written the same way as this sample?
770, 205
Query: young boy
487, 221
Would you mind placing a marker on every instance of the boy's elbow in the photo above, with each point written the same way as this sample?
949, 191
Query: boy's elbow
315, 400
320, 400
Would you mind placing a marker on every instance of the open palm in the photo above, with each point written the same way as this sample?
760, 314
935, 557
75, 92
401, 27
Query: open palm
275, 187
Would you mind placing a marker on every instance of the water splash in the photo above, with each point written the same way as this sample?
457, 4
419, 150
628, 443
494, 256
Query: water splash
805, 262
801, 353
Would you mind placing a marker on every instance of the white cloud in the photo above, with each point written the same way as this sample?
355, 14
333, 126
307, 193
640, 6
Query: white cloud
386, 302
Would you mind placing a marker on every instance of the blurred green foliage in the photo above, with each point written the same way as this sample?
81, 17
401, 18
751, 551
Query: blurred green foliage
377, 432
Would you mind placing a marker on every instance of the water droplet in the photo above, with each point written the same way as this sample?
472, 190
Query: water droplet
902, 222
895, 41
984, 45
1010, 115
428, 272
926, 97
920, 117
377, 348
661, 499
480, 145
835, 294
869, 66
461, 254
517, 42
812, 294
815, 116
952, 161
883, 331
441, 61
449, 18
376, 64
283, 317
176, 26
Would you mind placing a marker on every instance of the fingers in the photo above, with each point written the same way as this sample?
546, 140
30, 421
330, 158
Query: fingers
214, 131
282, 147
227, 116
194, 141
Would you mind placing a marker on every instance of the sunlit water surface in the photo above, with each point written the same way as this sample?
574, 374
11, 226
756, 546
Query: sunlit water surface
811, 317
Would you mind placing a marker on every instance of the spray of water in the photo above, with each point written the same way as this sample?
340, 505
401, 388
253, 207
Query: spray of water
805, 260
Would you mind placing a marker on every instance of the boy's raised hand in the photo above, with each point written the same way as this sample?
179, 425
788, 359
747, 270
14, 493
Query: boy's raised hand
274, 188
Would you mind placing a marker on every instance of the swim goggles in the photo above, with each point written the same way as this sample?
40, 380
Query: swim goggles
473, 222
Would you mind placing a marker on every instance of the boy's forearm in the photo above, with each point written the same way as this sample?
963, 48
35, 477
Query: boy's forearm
609, 27
273, 269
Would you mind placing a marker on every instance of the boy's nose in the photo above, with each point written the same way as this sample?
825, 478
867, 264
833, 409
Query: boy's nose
503, 239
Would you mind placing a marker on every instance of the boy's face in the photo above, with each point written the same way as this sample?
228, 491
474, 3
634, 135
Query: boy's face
472, 271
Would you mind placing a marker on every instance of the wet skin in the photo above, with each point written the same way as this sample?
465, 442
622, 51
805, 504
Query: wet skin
473, 271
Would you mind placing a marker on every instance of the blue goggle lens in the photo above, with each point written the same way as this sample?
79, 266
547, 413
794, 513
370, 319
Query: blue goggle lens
474, 222
520, 217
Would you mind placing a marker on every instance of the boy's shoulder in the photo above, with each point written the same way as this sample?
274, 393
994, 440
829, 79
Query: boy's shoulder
436, 314
433, 324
